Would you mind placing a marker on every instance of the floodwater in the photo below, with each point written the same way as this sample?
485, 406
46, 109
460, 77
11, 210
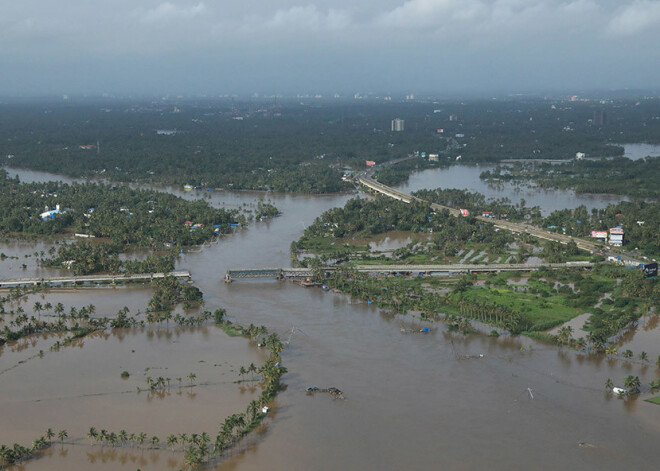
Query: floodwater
467, 178
411, 402
639, 151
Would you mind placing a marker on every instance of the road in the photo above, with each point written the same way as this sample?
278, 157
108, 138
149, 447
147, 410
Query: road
536, 232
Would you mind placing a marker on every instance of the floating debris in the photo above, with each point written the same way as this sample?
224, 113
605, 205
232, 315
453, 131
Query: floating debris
586, 445
334, 392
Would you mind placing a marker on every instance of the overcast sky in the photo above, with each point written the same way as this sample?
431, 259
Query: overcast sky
288, 46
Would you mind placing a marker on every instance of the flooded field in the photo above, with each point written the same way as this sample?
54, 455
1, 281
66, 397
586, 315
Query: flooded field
411, 401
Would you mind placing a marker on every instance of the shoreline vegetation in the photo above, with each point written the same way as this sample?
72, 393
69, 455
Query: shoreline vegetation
109, 221
197, 448
613, 176
614, 296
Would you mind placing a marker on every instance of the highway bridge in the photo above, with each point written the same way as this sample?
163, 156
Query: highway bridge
587, 245
91, 279
430, 270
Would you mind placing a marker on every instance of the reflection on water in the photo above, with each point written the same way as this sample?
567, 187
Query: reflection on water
645, 337
639, 151
413, 400
467, 177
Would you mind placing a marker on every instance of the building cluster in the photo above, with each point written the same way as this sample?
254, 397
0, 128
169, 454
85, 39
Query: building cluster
50, 213
615, 236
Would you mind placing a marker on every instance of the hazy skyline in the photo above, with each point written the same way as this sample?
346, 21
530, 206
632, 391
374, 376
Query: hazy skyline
286, 46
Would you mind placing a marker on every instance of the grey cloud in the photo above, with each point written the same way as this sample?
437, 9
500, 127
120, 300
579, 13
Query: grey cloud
383, 41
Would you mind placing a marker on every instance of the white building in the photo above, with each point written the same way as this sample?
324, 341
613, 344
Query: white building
397, 125
616, 236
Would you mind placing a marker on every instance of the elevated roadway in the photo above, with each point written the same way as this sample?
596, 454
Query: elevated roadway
285, 273
536, 232
94, 279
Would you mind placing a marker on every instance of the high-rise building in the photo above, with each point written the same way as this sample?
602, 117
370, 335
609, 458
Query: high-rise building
600, 118
397, 125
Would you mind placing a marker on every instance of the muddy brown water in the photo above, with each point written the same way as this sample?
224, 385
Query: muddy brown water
411, 401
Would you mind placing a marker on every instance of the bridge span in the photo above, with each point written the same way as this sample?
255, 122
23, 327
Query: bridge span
508, 226
296, 273
94, 279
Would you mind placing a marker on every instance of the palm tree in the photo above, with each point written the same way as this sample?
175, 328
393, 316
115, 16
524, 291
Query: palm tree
50, 434
141, 438
37, 308
92, 434
192, 377
59, 309
190, 458
643, 356
609, 384
62, 434
123, 436
565, 334
204, 439
627, 354
171, 441
219, 444
632, 383
155, 441
611, 350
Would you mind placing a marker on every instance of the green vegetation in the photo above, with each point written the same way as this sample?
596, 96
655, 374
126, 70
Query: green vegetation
542, 301
341, 235
620, 176
639, 220
476, 203
303, 147
83, 258
398, 173
169, 292
18, 453
654, 400
143, 218
197, 447
117, 218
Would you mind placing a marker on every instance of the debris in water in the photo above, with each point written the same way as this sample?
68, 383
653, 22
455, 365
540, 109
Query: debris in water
586, 445
334, 392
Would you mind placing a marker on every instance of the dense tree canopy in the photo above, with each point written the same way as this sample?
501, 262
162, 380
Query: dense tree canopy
293, 146
121, 214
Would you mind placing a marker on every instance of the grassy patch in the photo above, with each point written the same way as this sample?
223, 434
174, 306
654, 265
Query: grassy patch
330, 245
654, 400
540, 312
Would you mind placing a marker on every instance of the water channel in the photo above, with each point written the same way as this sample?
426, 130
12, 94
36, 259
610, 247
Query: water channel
411, 402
